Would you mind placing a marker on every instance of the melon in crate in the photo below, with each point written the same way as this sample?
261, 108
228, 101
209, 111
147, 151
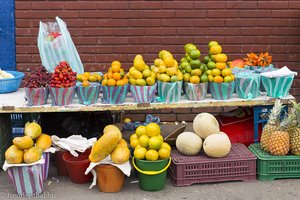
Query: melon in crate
205, 124
189, 143
217, 145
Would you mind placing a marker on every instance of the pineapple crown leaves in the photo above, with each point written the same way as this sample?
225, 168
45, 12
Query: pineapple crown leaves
288, 120
274, 115
296, 112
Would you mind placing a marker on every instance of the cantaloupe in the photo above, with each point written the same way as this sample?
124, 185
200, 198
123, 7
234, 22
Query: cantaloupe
189, 143
205, 124
106, 144
217, 145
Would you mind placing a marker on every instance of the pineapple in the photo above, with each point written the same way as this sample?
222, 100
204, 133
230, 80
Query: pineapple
271, 126
295, 132
279, 140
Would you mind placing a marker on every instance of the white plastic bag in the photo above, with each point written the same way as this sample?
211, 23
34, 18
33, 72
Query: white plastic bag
55, 45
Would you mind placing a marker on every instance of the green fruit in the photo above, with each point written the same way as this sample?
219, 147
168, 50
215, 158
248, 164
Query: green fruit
195, 63
212, 43
140, 82
211, 65
204, 78
184, 64
206, 59
186, 77
182, 60
174, 79
195, 54
203, 67
196, 72
187, 57
189, 47
188, 69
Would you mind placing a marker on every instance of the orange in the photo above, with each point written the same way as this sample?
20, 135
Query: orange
134, 143
116, 63
87, 74
195, 79
79, 77
84, 78
99, 78
152, 129
109, 75
110, 69
151, 155
221, 57
218, 79
85, 84
220, 65
116, 68
125, 80
164, 153
111, 82
104, 82
166, 145
105, 76
116, 76
215, 49
120, 83
215, 72
93, 78
226, 72
232, 77
140, 130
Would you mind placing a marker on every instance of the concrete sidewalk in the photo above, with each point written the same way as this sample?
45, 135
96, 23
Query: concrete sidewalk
62, 188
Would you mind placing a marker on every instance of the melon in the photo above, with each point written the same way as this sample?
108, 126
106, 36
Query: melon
205, 124
217, 145
189, 143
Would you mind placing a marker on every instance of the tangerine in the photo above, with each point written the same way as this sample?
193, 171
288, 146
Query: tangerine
116, 76
111, 82
218, 79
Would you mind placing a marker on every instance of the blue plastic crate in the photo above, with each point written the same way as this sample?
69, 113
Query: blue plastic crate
261, 116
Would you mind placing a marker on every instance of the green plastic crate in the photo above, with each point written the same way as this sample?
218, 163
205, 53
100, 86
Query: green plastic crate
271, 167
5, 136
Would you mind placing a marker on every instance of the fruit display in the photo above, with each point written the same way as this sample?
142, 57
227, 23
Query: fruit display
87, 77
263, 59
205, 124
30, 147
110, 143
217, 145
191, 67
294, 130
63, 76
189, 143
166, 68
148, 143
38, 78
115, 75
140, 73
5, 75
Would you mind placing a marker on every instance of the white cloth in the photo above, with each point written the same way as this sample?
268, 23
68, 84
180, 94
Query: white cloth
50, 149
73, 143
284, 71
125, 168
6, 165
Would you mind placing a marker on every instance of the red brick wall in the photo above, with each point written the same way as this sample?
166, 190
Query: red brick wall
104, 31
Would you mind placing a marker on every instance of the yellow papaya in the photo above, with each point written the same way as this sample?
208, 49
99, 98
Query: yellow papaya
33, 154
32, 129
105, 145
24, 142
120, 155
109, 128
44, 141
13, 155
122, 143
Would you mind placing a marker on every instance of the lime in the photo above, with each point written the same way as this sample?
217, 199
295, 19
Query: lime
155, 142
212, 43
204, 78
196, 72
211, 65
188, 69
189, 48
187, 57
174, 79
194, 54
140, 130
206, 59
228, 79
182, 60
195, 63
203, 67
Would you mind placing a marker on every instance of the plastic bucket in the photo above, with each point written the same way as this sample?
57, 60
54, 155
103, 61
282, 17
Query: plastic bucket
152, 174
109, 178
60, 163
76, 166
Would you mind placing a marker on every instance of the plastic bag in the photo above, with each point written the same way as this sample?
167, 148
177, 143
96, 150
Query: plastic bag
55, 45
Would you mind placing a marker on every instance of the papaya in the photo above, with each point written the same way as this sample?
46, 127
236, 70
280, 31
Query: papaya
32, 129
105, 145
44, 141
109, 128
122, 143
120, 155
33, 154
24, 142
13, 155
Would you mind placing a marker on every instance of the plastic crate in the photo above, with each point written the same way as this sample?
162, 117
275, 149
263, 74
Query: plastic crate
261, 116
19, 120
5, 135
239, 165
271, 167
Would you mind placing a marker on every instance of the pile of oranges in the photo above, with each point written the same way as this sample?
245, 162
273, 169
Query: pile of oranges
220, 76
88, 77
115, 75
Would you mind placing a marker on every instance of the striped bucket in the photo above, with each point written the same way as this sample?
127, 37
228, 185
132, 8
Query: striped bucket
170, 92
88, 95
27, 180
247, 85
62, 96
115, 94
277, 87
46, 156
143, 94
195, 92
222, 91
36, 96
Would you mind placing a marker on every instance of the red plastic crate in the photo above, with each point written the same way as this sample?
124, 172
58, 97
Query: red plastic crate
240, 165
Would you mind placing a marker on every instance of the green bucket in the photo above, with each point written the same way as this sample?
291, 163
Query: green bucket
152, 174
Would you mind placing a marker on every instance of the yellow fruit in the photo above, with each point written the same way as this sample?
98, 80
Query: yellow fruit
220, 65
140, 82
146, 73
13, 155
216, 72
180, 76
212, 43
226, 72
195, 79
93, 78
196, 72
111, 82
137, 74
24, 142
79, 77
153, 75
33, 130
166, 146
162, 69
151, 155
171, 71
155, 69
122, 143
120, 83
152, 129
32, 155
160, 137
44, 141
210, 78
104, 82
139, 63
140, 130
165, 78
134, 143
117, 63
143, 141
186, 77
163, 53
127, 120
164, 153
131, 70
85, 84
169, 61
221, 58
158, 62
140, 153
133, 136
215, 49
155, 142
120, 155
110, 128
150, 81
106, 144
87, 74
218, 79
132, 81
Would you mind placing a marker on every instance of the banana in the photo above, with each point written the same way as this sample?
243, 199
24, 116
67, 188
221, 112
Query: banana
5, 74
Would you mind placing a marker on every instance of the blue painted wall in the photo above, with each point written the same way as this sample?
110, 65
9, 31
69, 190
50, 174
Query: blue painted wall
7, 35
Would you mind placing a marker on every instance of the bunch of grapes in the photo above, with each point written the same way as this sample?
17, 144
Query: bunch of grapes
38, 78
